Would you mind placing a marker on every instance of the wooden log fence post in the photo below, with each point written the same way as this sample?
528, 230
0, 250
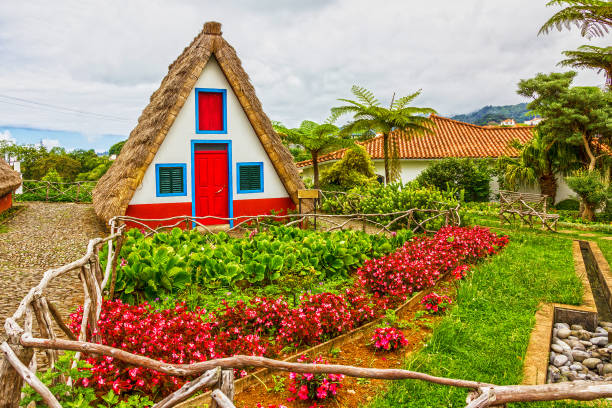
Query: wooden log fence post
10, 380
60, 322
208, 379
226, 386
114, 261
41, 310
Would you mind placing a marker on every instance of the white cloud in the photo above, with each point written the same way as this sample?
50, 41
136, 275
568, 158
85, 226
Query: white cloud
50, 143
108, 57
5, 136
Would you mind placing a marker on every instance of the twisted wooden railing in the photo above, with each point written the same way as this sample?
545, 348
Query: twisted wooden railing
19, 363
42, 190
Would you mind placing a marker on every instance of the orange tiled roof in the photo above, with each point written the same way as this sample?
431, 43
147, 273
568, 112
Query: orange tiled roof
451, 138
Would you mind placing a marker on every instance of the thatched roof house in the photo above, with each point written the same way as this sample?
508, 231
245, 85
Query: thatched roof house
204, 114
10, 180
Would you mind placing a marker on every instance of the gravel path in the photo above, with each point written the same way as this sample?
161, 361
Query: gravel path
43, 236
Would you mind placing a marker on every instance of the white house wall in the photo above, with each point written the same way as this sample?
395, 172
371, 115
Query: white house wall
176, 147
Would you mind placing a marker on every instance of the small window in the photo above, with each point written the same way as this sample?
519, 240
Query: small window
211, 110
250, 177
171, 179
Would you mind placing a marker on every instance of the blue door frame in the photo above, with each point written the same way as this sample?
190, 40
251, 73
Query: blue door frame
230, 187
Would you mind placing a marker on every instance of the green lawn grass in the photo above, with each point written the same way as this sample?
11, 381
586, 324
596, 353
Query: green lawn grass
485, 336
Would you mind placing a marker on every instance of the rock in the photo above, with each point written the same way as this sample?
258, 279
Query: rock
600, 341
552, 356
576, 367
564, 326
556, 348
583, 335
605, 324
590, 363
574, 338
600, 367
572, 376
576, 327
560, 360
564, 370
595, 354
563, 333
586, 343
607, 369
580, 355
579, 346
561, 343
601, 330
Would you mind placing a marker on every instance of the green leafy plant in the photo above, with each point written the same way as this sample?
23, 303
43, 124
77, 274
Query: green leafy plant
355, 169
471, 176
591, 189
68, 396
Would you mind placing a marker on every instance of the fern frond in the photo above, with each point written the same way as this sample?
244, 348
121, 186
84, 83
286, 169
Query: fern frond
592, 17
402, 102
364, 95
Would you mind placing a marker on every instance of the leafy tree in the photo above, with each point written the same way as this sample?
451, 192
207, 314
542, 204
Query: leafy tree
592, 17
576, 116
315, 138
537, 163
355, 169
66, 166
471, 176
592, 191
370, 117
591, 57
116, 148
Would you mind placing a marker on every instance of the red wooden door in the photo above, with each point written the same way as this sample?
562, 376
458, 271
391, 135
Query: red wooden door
211, 185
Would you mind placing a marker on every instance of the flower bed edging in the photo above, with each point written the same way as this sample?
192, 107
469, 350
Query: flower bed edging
265, 374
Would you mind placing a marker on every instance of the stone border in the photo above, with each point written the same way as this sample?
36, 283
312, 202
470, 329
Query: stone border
264, 374
535, 365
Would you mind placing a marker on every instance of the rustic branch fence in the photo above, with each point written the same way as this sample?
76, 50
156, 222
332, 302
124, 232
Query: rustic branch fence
42, 190
19, 363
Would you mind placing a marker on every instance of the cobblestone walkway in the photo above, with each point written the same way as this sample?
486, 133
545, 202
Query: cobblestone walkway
42, 236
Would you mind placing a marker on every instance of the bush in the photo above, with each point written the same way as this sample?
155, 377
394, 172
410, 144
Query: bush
388, 339
355, 169
394, 197
591, 189
314, 387
568, 204
471, 176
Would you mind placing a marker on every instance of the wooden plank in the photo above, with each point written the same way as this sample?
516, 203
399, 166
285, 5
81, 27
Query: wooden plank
309, 194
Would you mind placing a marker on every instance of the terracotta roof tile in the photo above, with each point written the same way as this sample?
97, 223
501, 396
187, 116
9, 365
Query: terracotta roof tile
451, 138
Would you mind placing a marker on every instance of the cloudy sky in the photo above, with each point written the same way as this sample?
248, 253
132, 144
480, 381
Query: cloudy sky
78, 73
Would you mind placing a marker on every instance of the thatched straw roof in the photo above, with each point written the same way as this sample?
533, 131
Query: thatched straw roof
116, 188
9, 178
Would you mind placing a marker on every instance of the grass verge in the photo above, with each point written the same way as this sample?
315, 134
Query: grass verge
485, 336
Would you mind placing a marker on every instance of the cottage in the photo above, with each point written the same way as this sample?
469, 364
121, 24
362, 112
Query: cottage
202, 147
10, 180
508, 122
450, 138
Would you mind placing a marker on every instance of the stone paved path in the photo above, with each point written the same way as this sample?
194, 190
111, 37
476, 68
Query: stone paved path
43, 236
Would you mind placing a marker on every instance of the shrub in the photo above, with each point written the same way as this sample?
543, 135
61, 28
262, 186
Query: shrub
388, 339
591, 189
568, 204
471, 176
355, 169
314, 387
435, 303
394, 197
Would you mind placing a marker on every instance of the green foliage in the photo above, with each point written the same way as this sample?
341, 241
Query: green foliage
394, 197
488, 114
315, 138
116, 148
52, 176
355, 169
369, 118
37, 191
592, 17
471, 176
591, 57
591, 189
169, 263
75, 396
569, 204
574, 116
37, 161
111, 399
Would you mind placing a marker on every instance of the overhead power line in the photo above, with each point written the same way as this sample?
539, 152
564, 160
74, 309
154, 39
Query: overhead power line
60, 109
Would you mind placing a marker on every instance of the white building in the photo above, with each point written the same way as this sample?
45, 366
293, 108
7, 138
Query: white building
451, 138
202, 147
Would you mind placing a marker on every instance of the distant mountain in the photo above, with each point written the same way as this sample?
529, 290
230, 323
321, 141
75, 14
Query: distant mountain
496, 114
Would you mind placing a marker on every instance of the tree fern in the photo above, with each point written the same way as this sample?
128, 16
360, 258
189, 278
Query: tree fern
592, 17
591, 57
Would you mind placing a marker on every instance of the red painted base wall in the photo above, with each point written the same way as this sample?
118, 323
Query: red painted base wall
6, 202
260, 206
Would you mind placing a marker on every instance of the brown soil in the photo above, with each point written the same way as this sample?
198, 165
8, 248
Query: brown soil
354, 392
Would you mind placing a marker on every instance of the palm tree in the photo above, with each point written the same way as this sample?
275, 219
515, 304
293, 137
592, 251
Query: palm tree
537, 163
591, 57
370, 117
315, 138
593, 17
